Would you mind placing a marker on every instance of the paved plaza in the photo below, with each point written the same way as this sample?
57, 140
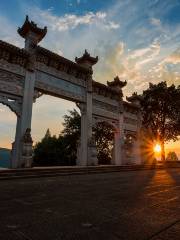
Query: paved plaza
109, 206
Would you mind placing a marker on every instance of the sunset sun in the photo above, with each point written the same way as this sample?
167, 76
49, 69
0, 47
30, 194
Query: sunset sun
157, 148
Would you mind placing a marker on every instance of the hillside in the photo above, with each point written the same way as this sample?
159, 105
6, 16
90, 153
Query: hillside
5, 157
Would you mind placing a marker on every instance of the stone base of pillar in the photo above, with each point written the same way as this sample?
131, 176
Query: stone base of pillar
27, 153
92, 153
27, 162
92, 156
13, 156
79, 161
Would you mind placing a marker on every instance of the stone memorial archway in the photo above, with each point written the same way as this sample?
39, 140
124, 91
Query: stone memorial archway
27, 73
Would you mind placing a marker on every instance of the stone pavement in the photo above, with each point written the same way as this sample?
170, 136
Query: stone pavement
121, 205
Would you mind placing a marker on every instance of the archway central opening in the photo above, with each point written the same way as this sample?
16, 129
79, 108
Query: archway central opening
55, 131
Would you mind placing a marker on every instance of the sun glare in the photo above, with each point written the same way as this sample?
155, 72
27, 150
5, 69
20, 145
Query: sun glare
157, 148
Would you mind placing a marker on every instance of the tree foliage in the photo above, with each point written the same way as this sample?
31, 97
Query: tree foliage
161, 112
172, 156
104, 135
46, 151
62, 150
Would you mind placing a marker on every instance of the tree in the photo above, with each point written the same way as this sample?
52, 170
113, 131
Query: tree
46, 151
104, 135
172, 156
102, 132
62, 150
161, 112
71, 135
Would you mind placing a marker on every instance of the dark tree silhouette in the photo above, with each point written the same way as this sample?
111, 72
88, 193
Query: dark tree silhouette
104, 135
62, 150
161, 112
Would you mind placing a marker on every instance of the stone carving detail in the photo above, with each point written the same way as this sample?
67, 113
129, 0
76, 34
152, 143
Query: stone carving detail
71, 77
37, 94
130, 133
112, 122
130, 121
60, 63
10, 88
105, 106
117, 86
11, 83
82, 107
27, 136
131, 108
13, 104
54, 91
92, 152
13, 54
11, 78
102, 89
27, 153
13, 68
52, 85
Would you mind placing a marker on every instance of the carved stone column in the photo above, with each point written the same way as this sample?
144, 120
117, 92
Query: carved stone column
137, 143
27, 156
91, 159
83, 143
117, 148
15, 153
87, 142
118, 142
137, 150
32, 35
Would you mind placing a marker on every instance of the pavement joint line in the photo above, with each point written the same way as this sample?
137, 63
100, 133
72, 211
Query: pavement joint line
144, 208
157, 192
163, 230
21, 234
172, 199
85, 171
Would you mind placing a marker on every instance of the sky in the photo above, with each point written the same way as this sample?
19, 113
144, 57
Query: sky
138, 40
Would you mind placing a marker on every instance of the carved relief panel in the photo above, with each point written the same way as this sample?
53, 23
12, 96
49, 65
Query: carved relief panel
11, 83
59, 87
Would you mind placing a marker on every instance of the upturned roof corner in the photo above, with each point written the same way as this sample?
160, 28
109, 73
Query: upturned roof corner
117, 83
30, 27
86, 59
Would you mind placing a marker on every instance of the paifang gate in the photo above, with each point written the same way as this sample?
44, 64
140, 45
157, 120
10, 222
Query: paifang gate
26, 74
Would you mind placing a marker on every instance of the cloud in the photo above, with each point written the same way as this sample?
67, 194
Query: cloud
155, 21
72, 21
8, 32
152, 44
174, 58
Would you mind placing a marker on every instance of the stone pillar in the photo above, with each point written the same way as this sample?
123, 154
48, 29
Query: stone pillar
27, 156
118, 142
87, 144
137, 151
91, 150
16, 145
117, 148
27, 107
137, 143
32, 35
27, 101
83, 143
86, 149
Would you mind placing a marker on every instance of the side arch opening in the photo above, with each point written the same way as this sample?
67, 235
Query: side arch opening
103, 133
7, 134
